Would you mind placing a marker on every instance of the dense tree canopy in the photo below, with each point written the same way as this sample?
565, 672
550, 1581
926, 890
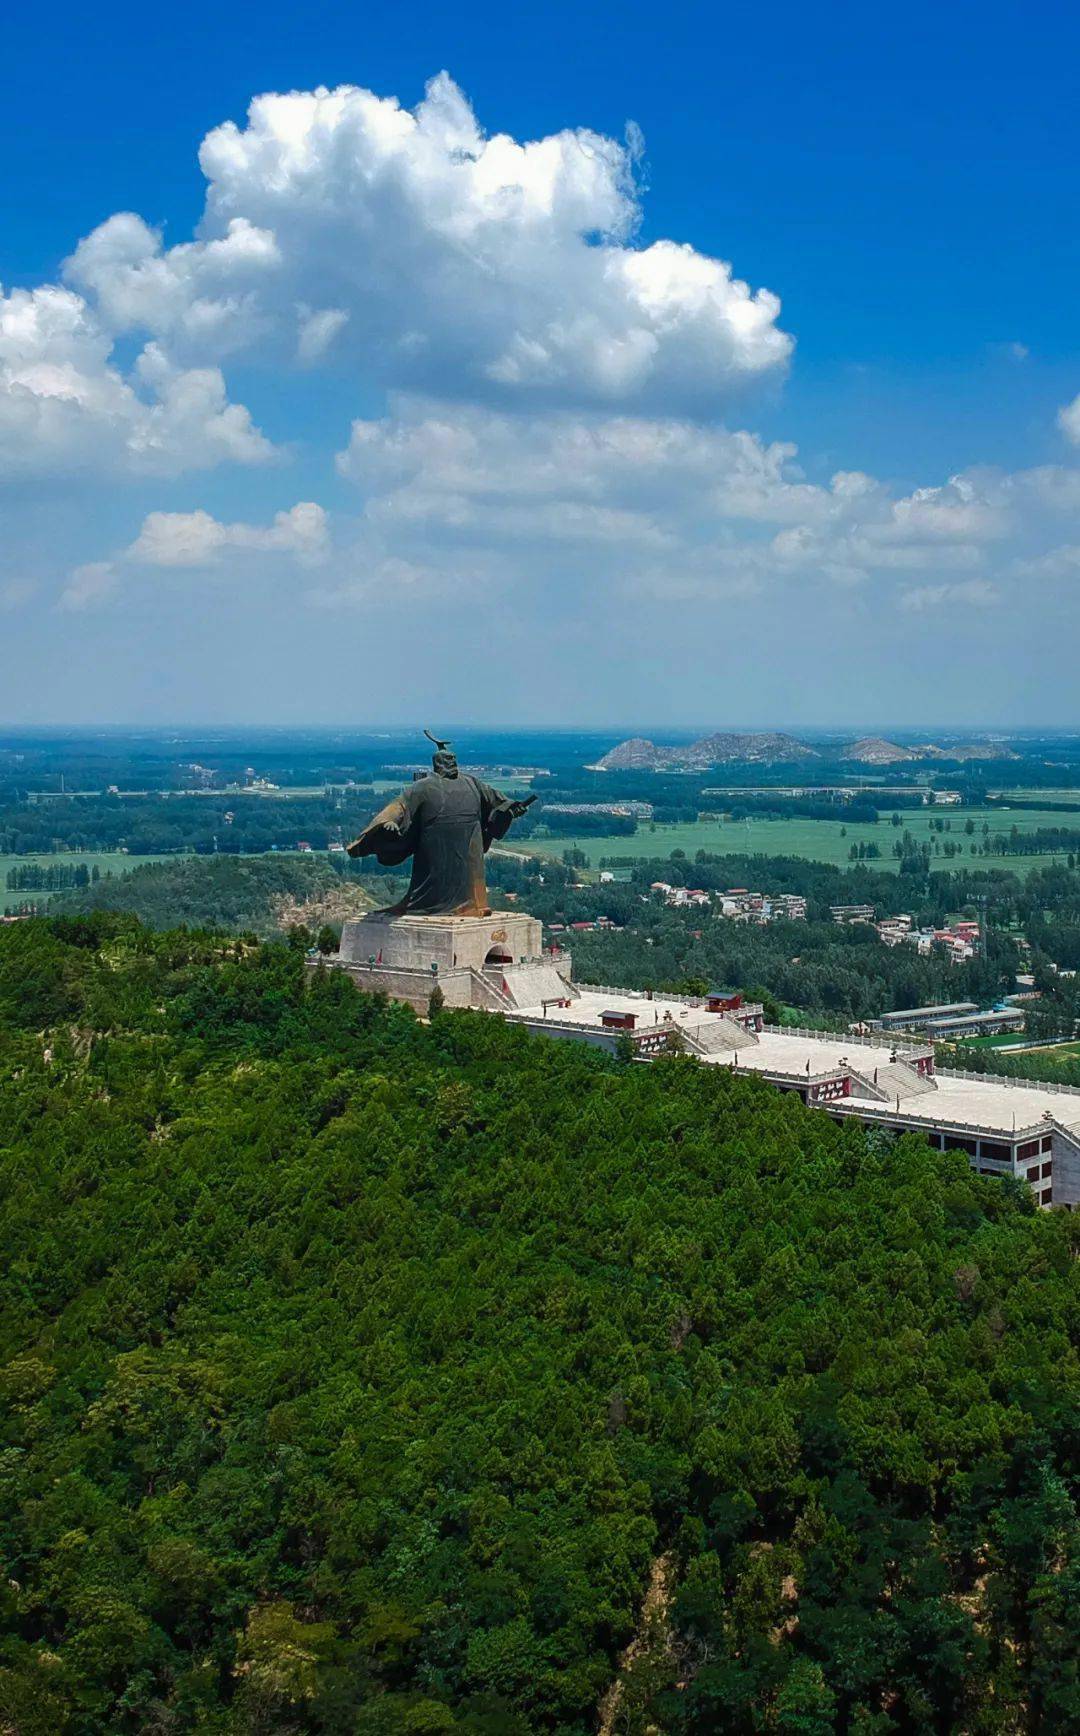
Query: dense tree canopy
153, 824
234, 892
827, 971
356, 1374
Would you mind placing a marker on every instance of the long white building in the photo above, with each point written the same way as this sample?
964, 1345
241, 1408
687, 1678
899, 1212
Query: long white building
497, 964
1005, 1126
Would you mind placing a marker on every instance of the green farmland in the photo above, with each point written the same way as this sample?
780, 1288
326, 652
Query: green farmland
1056, 1051
818, 840
1002, 1040
105, 861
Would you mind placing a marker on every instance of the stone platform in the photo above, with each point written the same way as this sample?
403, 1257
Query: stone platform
495, 963
450, 942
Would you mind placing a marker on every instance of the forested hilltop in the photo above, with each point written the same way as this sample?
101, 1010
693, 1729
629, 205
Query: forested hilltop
826, 971
359, 1375
260, 894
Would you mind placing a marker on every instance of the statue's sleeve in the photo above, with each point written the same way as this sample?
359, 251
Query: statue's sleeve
495, 813
389, 847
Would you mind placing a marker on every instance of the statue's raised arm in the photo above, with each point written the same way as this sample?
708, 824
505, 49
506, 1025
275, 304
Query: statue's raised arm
446, 823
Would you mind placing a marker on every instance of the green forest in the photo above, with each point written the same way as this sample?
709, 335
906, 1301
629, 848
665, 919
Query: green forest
158, 823
831, 974
241, 893
360, 1374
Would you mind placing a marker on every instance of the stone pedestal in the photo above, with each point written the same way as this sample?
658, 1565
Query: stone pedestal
506, 937
495, 963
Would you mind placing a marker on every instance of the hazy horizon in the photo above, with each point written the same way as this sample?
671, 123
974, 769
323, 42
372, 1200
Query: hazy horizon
661, 732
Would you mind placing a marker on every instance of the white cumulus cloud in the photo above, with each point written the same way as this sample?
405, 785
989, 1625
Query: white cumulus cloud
1056, 563
402, 248
449, 463
553, 386
65, 406
422, 251
656, 503
202, 293
89, 585
1069, 420
198, 540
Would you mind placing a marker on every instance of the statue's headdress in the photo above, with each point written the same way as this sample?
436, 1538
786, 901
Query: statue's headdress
443, 760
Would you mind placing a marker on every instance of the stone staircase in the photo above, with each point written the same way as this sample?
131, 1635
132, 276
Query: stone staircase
526, 985
718, 1036
892, 1079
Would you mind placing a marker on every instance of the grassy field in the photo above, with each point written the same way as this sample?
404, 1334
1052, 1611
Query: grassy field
1056, 1054
818, 840
105, 861
1003, 1040
1057, 1051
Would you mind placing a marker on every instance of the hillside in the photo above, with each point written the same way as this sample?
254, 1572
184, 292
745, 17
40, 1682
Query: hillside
364, 1376
639, 754
260, 894
873, 750
772, 747
766, 745
980, 750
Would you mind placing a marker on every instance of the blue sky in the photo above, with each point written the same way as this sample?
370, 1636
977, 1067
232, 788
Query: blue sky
438, 422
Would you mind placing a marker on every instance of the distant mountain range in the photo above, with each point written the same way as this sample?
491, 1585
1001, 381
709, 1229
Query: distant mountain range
872, 750
768, 747
637, 754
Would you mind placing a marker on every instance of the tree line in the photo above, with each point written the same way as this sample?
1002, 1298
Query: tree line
52, 877
160, 824
239, 893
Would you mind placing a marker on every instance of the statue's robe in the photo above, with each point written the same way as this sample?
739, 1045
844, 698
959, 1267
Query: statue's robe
445, 825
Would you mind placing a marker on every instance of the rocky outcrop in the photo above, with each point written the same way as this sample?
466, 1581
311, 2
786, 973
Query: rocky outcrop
763, 745
773, 747
873, 750
634, 755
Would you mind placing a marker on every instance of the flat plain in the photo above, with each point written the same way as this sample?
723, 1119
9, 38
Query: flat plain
822, 840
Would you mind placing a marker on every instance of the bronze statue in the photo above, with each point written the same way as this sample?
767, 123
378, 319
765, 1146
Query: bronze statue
446, 823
